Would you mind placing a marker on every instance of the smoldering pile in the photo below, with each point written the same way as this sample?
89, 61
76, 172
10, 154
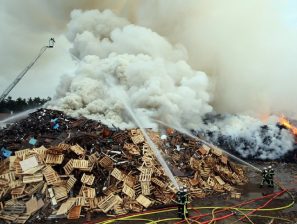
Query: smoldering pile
249, 137
56, 166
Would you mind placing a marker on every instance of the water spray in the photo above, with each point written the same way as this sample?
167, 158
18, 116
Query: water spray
186, 132
122, 94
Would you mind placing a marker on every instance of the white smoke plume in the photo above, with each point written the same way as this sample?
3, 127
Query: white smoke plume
154, 74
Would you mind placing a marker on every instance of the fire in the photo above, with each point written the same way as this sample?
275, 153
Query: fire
286, 123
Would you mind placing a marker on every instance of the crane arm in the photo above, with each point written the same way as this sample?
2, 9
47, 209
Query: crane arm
22, 74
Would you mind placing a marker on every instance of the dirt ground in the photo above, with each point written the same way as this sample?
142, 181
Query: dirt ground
286, 176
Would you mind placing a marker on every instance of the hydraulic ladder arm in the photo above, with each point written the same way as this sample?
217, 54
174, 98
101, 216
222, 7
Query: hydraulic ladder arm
22, 74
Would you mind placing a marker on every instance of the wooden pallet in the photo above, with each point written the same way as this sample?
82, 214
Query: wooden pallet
128, 191
60, 193
116, 173
109, 202
70, 183
93, 158
54, 159
66, 206
146, 174
129, 180
144, 201
33, 188
158, 182
68, 168
87, 179
50, 175
136, 136
87, 192
145, 188
21, 153
80, 201
77, 149
32, 178
132, 149
80, 164
106, 162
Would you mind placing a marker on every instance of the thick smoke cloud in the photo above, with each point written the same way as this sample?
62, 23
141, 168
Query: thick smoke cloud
246, 48
154, 75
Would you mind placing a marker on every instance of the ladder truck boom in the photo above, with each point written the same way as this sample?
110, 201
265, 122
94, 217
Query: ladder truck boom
22, 74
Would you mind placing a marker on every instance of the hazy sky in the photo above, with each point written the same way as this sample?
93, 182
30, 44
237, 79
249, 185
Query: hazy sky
25, 27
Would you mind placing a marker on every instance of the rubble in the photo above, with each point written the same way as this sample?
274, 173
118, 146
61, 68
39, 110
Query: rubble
82, 166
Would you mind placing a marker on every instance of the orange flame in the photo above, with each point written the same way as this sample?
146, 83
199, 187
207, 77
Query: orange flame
286, 123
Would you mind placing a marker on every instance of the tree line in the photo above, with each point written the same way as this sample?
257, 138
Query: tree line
20, 104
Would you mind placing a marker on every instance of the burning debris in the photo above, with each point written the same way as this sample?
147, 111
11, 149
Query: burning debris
250, 138
82, 166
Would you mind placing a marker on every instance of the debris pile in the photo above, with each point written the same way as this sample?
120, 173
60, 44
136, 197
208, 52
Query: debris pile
78, 166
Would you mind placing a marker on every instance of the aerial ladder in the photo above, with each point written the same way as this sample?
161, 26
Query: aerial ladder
23, 73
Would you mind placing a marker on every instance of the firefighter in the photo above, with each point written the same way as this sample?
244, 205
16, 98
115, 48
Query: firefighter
182, 201
264, 177
270, 176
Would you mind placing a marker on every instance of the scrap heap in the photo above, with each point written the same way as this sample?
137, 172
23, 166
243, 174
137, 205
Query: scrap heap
54, 166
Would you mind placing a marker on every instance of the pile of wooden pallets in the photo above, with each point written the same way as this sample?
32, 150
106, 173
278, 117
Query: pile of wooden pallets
116, 172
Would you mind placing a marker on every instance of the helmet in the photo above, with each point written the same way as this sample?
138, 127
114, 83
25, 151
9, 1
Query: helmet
269, 167
265, 168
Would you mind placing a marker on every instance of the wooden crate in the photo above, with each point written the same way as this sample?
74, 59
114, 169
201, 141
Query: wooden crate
87, 179
144, 201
